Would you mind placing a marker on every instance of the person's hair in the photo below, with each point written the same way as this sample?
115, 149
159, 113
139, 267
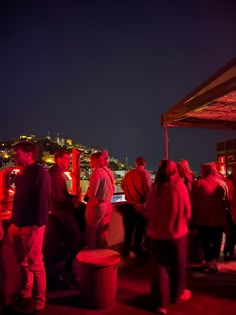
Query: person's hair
96, 156
140, 161
26, 147
181, 169
208, 169
186, 167
60, 154
167, 172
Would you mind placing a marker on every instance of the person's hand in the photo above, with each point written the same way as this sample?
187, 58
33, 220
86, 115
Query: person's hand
1, 231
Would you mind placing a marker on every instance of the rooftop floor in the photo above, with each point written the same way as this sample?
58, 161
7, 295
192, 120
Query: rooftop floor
211, 293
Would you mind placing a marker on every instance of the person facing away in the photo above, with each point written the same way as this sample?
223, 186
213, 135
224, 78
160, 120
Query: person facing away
63, 207
136, 186
99, 208
186, 174
208, 196
230, 230
29, 217
168, 210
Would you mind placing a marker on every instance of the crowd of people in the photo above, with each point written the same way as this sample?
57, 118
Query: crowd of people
157, 219
45, 216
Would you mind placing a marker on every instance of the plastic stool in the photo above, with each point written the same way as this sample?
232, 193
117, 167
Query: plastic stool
98, 277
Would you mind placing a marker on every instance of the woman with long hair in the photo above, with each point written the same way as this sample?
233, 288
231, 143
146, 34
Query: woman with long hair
168, 211
186, 174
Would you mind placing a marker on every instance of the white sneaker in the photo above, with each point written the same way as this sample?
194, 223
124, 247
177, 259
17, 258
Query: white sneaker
186, 295
160, 310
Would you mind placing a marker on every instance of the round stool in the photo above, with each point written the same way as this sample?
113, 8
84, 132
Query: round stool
98, 277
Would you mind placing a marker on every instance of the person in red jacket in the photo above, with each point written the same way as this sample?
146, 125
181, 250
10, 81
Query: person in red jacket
209, 212
136, 185
168, 210
63, 226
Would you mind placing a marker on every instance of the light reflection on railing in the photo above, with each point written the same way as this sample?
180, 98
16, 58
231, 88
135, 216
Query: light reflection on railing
118, 197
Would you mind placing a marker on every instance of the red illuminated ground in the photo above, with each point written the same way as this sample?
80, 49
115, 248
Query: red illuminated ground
211, 293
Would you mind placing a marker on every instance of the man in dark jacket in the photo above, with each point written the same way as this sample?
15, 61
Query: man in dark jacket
64, 207
29, 217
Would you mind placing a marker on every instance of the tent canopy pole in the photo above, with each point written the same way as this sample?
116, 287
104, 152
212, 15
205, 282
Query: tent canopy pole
166, 143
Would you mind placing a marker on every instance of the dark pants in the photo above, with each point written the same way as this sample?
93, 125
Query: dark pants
135, 226
62, 240
80, 219
211, 238
169, 270
230, 234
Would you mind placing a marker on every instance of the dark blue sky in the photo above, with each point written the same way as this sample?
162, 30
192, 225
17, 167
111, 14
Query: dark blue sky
103, 72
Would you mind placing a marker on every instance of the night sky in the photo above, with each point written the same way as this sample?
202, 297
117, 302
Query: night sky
103, 72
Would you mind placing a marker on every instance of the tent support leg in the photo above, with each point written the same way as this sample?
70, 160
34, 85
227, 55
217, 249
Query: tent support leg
166, 143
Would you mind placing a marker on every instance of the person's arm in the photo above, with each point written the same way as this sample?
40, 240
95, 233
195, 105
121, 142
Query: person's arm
150, 204
93, 184
122, 185
58, 187
147, 183
43, 202
59, 191
187, 202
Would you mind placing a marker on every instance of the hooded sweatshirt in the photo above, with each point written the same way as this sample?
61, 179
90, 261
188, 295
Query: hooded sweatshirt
168, 211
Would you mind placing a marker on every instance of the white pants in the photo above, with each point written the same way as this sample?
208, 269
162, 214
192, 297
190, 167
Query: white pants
97, 217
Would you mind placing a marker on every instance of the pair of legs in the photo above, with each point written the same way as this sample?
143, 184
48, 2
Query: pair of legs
97, 217
62, 240
211, 238
27, 243
135, 225
230, 237
168, 280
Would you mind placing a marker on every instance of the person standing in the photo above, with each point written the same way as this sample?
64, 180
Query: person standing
136, 185
168, 211
63, 208
231, 236
209, 196
99, 208
186, 174
29, 217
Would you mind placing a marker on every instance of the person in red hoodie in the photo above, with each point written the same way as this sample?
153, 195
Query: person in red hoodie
168, 210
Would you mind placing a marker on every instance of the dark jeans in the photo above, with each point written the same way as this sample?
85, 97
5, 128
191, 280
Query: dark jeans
169, 270
62, 240
230, 236
211, 238
80, 218
135, 226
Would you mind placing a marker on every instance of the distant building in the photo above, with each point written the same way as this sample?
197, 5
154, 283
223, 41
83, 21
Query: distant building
226, 155
69, 142
28, 138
